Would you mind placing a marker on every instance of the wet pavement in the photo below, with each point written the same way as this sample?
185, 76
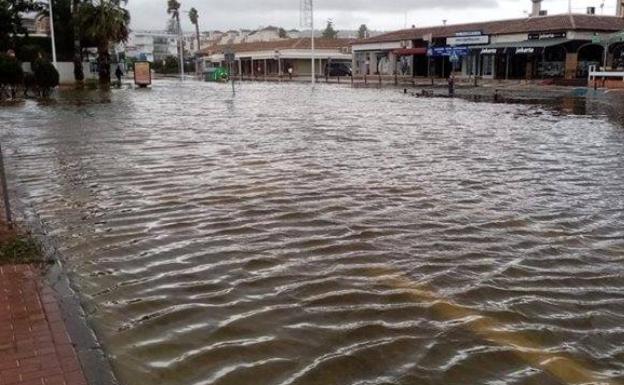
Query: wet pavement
345, 236
35, 348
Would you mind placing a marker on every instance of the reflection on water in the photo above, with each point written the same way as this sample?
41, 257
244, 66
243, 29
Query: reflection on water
352, 237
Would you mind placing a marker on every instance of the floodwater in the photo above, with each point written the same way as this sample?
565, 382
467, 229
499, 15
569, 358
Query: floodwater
340, 237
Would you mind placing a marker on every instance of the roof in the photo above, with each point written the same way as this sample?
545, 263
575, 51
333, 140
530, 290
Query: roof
552, 23
279, 45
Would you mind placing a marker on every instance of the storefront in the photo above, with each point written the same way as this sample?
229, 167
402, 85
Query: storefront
545, 47
528, 59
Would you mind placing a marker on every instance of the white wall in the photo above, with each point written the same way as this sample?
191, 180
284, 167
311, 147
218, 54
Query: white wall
66, 71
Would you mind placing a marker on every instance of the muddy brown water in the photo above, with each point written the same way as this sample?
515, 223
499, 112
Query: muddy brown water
335, 237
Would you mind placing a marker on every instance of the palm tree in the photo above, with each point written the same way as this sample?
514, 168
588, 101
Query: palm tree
173, 8
104, 22
194, 16
78, 70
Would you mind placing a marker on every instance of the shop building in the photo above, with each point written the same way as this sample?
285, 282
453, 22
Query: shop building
274, 58
535, 47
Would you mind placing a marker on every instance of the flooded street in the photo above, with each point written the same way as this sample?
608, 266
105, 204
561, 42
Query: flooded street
340, 237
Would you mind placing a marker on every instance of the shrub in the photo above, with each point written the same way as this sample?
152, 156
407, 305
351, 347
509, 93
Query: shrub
11, 75
46, 76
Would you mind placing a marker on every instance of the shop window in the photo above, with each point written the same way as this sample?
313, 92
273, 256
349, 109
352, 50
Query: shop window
487, 65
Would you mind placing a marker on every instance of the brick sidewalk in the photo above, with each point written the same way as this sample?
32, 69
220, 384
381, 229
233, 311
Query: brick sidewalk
35, 348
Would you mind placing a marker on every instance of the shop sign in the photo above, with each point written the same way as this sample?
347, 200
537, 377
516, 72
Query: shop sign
468, 40
447, 51
547, 35
488, 51
469, 33
525, 51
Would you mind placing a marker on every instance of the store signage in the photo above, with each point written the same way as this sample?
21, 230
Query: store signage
525, 51
142, 74
488, 51
447, 51
469, 33
547, 35
468, 40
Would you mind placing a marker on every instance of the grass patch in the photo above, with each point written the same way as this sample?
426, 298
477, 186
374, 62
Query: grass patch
18, 248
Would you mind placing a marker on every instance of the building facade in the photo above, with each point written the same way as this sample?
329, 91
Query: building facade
536, 47
274, 58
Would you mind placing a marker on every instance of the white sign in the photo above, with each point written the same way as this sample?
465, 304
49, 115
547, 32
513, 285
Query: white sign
468, 33
488, 51
525, 51
468, 40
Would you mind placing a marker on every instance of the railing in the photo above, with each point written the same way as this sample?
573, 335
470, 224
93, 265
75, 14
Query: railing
594, 74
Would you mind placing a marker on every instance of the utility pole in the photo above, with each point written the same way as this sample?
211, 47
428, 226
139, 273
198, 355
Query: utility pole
52, 35
307, 20
313, 48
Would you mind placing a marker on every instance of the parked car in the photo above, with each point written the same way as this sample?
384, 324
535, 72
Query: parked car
338, 69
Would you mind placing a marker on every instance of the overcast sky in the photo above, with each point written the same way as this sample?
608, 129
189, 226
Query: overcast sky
347, 14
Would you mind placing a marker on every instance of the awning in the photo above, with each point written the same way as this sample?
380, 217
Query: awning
410, 51
525, 47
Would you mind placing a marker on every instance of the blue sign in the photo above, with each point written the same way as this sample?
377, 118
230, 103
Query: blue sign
447, 51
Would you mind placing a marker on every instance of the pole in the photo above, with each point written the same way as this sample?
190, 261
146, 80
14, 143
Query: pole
606, 51
232, 79
52, 35
312, 37
570, 7
5, 191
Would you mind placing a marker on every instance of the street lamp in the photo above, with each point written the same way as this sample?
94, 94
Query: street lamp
52, 35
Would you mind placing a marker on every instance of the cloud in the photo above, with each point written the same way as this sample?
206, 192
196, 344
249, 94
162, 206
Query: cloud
347, 14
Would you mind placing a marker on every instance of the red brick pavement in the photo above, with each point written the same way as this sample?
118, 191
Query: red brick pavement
35, 348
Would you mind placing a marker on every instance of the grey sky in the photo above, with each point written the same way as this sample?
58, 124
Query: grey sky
347, 14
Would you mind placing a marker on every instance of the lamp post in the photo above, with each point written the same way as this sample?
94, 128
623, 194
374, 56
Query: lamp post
52, 35
313, 48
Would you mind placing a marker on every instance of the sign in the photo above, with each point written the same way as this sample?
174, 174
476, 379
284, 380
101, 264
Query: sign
229, 56
468, 40
142, 73
548, 35
454, 58
469, 33
488, 51
596, 39
525, 51
447, 51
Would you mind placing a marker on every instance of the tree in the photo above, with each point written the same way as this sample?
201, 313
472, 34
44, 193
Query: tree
11, 20
330, 32
78, 70
363, 32
173, 8
104, 22
282, 33
194, 16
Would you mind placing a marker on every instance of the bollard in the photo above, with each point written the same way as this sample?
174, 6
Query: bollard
365, 79
5, 191
338, 79
396, 79
352, 80
379, 79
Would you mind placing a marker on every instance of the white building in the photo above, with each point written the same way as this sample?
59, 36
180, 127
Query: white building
151, 45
